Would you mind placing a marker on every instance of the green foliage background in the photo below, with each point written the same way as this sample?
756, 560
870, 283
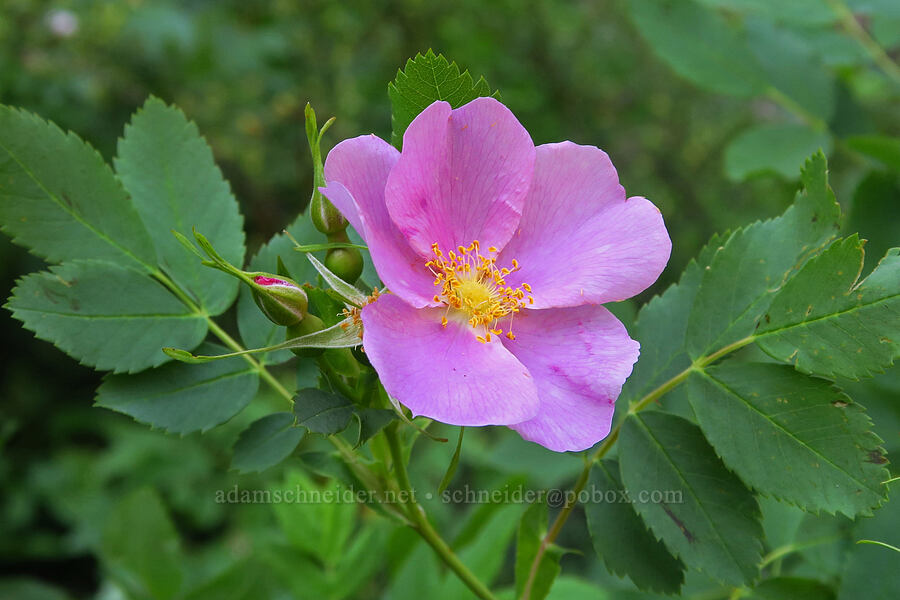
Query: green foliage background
696, 117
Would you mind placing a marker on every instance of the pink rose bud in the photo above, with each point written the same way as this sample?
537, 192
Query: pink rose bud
281, 300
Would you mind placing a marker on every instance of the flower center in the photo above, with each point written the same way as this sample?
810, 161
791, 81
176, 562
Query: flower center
474, 288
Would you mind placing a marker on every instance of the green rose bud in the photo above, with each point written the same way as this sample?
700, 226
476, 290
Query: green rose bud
280, 299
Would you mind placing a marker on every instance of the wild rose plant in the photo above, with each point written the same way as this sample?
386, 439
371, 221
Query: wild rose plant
463, 277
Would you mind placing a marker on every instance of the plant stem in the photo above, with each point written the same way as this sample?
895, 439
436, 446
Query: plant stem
859, 33
606, 446
421, 524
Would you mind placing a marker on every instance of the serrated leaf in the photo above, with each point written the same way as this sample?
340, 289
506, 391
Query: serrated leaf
699, 45
826, 323
256, 330
742, 277
621, 538
265, 443
58, 197
532, 529
141, 547
716, 526
661, 327
169, 172
426, 79
791, 436
780, 148
104, 315
322, 412
182, 398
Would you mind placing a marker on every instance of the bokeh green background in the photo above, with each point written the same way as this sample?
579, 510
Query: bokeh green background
595, 72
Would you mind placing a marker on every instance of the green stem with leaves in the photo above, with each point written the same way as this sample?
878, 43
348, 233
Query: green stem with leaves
606, 446
423, 526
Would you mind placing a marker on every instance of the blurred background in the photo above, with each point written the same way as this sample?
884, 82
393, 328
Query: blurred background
707, 107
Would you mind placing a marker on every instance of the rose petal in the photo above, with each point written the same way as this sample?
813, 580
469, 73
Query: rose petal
579, 240
356, 171
444, 373
462, 176
579, 358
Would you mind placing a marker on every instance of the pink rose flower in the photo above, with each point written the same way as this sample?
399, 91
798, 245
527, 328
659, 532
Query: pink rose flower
498, 256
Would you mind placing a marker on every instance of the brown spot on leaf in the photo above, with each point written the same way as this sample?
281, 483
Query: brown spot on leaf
839, 403
876, 458
687, 534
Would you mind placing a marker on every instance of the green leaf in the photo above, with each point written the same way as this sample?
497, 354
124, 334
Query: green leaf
780, 148
104, 315
59, 198
265, 443
699, 45
322, 412
169, 172
791, 436
875, 214
738, 285
715, 526
532, 529
454, 463
323, 523
22, 588
427, 79
794, 69
237, 583
882, 148
182, 398
256, 330
371, 421
870, 571
791, 588
141, 547
661, 327
825, 322
486, 553
797, 12
621, 539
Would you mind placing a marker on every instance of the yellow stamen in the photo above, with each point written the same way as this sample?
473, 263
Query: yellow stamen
474, 288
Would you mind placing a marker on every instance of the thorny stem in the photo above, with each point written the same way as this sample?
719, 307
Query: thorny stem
606, 446
422, 525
